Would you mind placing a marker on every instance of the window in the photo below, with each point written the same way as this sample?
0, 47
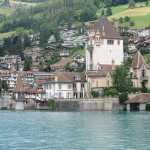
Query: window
82, 85
110, 42
143, 73
59, 86
74, 85
118, 42
69, 86
59, 94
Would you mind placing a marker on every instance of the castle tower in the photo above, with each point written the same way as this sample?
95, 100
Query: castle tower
103, 45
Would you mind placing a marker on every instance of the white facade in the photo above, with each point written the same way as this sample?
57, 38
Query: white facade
103, 47
58, 90
103, 53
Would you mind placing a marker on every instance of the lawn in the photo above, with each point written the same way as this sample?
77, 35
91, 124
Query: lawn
136, 15
78, 52
7, 34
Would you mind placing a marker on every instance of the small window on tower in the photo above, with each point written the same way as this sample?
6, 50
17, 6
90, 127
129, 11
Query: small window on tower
118, 42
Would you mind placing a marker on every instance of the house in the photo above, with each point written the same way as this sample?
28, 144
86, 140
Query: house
79, 59
65, 85
140, 72
138, 102
103, 45
132, 47
23, 95
100, 79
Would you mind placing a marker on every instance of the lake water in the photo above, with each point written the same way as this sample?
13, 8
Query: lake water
40, 130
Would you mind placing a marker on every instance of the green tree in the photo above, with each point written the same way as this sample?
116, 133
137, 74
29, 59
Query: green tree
131, 4
45, 31
95, 94
26, 42
87, 15
3, 86
120, 20
51, 104
123, 97
127, 19
27, 64
109, 11
132, 23
121, 80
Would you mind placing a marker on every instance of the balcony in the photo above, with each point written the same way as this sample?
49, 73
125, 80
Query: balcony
144, 78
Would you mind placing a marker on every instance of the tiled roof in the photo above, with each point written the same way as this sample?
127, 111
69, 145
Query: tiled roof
138, 61
109, 31
140, 98
34, 91
101, 72
66, 77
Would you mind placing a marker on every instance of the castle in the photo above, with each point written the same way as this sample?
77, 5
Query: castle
104, 45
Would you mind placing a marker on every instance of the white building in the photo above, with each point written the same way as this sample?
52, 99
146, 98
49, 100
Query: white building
104, 44
65, 85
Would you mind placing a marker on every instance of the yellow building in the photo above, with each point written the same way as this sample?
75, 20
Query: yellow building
140, 72
98, 80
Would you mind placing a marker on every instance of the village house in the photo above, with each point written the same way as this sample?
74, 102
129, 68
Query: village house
103, 45
140, 72
79, 59
65, 85
23, 95
100, 79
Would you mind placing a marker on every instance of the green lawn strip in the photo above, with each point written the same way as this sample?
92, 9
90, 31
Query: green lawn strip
78, 52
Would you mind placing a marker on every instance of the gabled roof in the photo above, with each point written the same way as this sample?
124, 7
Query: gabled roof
140, 98
104, 26
138, 61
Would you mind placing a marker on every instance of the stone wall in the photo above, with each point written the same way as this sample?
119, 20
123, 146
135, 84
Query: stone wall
101, 104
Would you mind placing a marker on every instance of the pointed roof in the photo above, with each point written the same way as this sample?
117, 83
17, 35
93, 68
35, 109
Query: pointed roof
19, 86
106, 27
140, 98
138, 61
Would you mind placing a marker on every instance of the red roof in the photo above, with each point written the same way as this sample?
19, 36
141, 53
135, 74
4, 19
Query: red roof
138, 61
140, 98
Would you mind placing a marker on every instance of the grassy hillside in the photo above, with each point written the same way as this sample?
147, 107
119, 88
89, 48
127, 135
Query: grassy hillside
140, 15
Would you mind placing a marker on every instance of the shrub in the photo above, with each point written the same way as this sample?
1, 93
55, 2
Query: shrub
110, 92
95, 94
123, 97
51, 104
148, 107
132, 23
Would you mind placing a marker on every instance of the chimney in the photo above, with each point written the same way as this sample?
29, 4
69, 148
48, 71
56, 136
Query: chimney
113, 65
116, 24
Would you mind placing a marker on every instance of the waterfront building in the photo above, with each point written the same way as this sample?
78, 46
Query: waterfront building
140, 72
138, 102
103, 45
65, 85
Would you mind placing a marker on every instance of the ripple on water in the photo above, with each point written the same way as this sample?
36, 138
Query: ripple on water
30, 130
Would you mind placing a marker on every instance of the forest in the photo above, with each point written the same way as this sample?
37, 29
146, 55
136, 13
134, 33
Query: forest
51, 14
